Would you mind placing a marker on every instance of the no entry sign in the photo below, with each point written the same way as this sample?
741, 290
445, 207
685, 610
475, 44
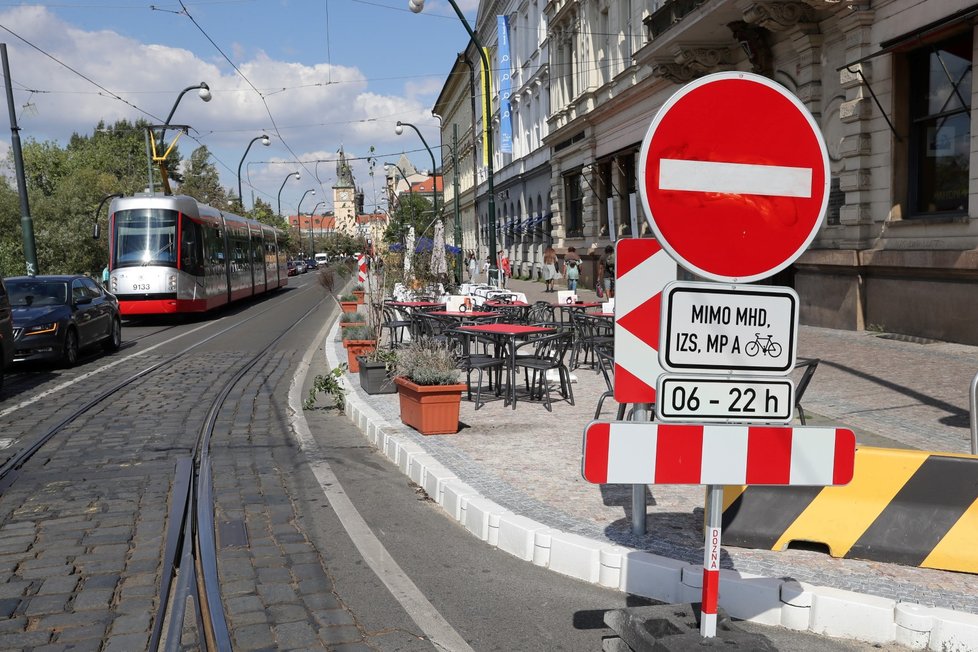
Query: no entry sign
734, 177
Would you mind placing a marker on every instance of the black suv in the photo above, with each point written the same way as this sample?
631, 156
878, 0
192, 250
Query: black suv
6, 333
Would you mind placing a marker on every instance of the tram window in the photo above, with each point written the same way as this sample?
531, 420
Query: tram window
191, 257
145, 237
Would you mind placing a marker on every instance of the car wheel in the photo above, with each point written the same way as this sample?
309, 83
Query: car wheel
69, 356
115, 336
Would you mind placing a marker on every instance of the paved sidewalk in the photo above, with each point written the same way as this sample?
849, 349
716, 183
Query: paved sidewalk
892, 392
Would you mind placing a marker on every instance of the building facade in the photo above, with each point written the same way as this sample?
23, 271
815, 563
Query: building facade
887, 81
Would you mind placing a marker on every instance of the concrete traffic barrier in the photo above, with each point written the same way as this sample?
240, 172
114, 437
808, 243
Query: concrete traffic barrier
914, 508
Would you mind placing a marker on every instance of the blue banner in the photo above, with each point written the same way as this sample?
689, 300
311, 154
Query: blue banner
505, 88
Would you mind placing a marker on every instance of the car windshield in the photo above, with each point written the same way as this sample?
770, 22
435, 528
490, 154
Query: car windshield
36, 292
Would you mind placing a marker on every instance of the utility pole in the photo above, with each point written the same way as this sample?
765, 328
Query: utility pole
26, 223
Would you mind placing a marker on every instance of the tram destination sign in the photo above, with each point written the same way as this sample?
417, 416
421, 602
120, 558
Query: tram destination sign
731, 329
725, 399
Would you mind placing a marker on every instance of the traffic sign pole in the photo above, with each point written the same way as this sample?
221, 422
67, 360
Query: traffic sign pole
711, 561
641, 412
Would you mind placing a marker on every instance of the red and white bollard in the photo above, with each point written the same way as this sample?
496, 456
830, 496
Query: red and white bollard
711, 562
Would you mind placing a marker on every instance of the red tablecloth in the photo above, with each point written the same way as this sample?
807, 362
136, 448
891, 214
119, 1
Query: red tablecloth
458, 313
415, 304
507, 329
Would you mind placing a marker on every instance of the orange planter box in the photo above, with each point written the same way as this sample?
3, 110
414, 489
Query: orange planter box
349, 306
430, 409
355, 348
359, 295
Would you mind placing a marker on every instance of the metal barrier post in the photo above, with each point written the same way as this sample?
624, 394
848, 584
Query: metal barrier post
639, 413
974, 415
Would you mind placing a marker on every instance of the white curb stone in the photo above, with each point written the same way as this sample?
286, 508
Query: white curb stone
652, 576
541, 546
454, 494
574, 555
691, 583
953, 631
477, 513
913, 625
517, 535
408, 449
852, 615
750, 597
418, 467
612, 558
436, 477
797, 610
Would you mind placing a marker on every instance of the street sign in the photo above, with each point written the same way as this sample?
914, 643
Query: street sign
734, 177
634, 452
724, 399
642, 269
750, 329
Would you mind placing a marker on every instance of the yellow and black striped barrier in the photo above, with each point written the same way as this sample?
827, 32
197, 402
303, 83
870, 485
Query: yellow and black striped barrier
908, 507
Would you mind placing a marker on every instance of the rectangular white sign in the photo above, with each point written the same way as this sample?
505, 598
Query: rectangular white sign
727, 399
713, 327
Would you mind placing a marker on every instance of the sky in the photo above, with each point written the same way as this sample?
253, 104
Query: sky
314, 75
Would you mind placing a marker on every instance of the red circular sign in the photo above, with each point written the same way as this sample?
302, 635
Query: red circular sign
734, 177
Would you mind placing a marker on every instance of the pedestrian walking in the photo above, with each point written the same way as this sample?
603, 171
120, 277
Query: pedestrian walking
473, 268
550, 272
606, 273
572, 268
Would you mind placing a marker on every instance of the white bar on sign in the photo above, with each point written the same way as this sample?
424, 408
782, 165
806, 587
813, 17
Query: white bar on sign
734, 178
724, 455
812, 456
631, 455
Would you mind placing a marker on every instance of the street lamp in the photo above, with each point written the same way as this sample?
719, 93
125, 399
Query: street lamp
264, 141
417, 6
204, 92
312, 214
298, 209
297, 177
399, 129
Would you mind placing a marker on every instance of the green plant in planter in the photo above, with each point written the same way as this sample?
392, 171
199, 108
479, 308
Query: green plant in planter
328, 384
352, 317
428, 362
348, 297
358, 288
387, 356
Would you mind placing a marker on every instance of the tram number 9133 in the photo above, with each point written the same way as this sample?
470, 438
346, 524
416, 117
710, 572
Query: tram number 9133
725, 399
140, 287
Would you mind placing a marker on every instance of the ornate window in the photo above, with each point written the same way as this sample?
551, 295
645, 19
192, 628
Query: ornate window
940, 126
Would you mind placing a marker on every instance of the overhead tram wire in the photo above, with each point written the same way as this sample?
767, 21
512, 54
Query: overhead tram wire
275, 128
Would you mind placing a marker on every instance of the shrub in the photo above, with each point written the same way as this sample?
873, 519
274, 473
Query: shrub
428, 362
348, 297
359, 333
347, 317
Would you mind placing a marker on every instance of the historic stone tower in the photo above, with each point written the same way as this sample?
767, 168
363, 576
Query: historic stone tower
344, 197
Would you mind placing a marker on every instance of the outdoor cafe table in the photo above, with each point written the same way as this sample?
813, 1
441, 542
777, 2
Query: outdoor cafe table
463, 315
508, 333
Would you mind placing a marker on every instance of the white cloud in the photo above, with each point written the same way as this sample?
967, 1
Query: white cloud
315, 108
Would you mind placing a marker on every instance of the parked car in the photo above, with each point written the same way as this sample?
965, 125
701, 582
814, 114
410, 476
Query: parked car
55, 317
300, 266
292, 269
6, 333
311, 264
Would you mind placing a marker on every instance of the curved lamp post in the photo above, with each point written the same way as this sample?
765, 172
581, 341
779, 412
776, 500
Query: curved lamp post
297, 178
264, 141
417, 6
298, 209
312, 214
203, 91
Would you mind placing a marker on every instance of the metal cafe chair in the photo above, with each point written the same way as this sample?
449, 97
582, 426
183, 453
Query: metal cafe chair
474, 355
548, 354
606, 365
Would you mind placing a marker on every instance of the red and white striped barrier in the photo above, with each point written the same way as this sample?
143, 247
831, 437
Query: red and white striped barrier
717, 454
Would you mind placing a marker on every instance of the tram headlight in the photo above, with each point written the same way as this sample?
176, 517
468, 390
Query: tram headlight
171, 282
114, 282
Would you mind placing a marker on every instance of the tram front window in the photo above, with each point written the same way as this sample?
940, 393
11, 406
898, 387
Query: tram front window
145, 237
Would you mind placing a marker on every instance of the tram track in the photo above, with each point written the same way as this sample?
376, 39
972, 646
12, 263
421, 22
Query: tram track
189, 564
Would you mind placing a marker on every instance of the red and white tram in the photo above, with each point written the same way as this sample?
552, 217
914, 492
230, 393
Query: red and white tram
169, 254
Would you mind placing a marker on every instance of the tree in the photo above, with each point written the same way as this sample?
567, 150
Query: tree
201, 180
412, 210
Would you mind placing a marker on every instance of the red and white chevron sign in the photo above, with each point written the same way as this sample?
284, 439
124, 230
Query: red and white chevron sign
642, 269
638, 452
361, 268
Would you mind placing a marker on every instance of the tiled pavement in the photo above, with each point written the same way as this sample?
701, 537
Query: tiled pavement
892, 392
